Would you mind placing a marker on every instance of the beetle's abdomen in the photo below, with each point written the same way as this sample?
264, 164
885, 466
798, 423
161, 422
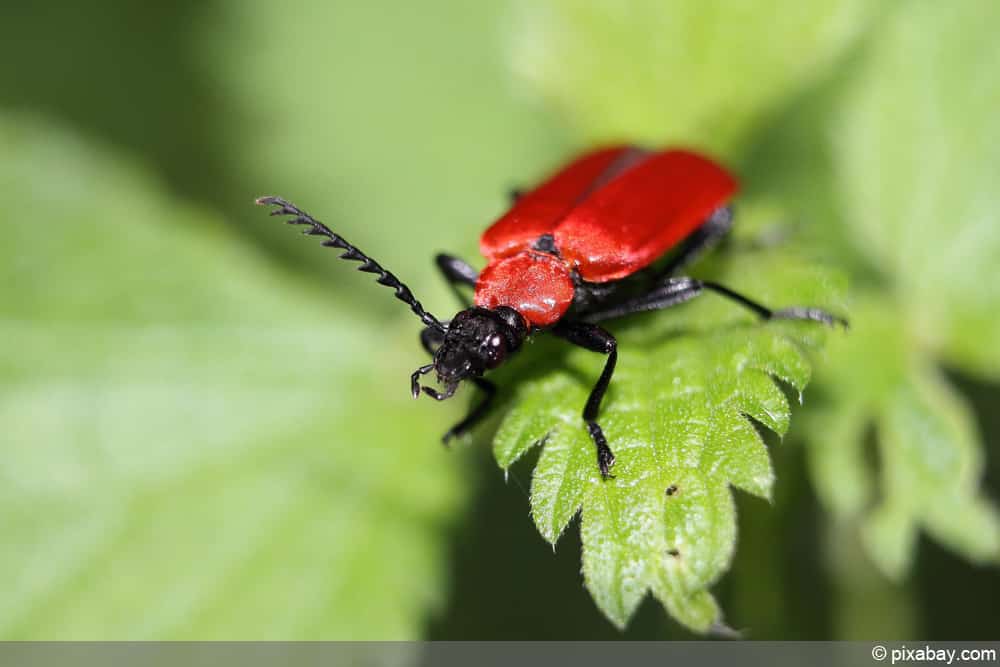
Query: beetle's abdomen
537, 285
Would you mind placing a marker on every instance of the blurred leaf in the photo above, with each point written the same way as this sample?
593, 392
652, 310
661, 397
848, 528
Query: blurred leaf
126, 78
676, 416
866, 606
701, 73
918, 150
916, 143
930, 455
395, 122
188, 445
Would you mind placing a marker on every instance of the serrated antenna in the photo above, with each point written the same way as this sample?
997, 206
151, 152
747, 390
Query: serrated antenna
368, 265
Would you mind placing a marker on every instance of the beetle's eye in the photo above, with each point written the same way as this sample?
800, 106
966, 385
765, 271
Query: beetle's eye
495, 350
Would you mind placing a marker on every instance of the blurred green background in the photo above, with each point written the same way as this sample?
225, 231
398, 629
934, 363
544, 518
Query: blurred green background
205, 426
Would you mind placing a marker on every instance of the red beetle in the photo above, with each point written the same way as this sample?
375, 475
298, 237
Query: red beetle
580, 248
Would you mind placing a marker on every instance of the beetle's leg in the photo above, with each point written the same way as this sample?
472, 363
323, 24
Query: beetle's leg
457, 272
670, 292
675, 291
477, 413
713, 230
596, 339
790, 313
430, 338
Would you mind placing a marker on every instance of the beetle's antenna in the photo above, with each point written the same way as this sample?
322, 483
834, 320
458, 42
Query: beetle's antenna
368, 265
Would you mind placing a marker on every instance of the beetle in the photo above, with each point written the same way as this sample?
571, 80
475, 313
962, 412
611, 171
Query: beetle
582, 247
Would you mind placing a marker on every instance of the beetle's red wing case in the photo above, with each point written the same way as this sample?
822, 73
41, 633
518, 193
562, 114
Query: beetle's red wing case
634, 219
539, 211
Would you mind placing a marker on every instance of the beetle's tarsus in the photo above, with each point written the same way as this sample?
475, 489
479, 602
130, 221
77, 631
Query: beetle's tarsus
807, 313
605, 457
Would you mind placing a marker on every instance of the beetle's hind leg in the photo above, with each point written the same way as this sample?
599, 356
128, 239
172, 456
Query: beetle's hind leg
675, 291
789, 313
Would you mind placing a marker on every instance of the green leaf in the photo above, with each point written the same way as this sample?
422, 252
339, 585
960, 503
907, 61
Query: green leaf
188, 434
678, 417
698, 73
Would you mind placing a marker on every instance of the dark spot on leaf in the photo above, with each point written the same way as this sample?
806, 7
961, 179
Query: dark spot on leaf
674, 552
672, 489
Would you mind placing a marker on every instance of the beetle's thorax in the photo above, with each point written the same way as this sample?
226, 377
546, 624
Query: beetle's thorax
478, 340
537, 284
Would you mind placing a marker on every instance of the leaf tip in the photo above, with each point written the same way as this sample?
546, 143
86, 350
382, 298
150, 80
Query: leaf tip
720, 630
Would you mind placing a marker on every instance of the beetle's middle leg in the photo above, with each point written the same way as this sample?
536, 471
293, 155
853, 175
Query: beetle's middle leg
596, 339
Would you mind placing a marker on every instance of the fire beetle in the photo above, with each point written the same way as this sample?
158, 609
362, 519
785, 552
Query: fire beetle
576, 250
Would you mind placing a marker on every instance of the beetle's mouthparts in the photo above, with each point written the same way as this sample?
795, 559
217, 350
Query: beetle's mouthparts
416, 388
415, 379
449, 391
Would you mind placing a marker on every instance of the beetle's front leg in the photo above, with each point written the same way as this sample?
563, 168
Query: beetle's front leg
431, 338
596, 339
476, 414
456, 272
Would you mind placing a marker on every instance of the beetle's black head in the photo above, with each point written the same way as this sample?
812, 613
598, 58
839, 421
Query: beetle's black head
477, 340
